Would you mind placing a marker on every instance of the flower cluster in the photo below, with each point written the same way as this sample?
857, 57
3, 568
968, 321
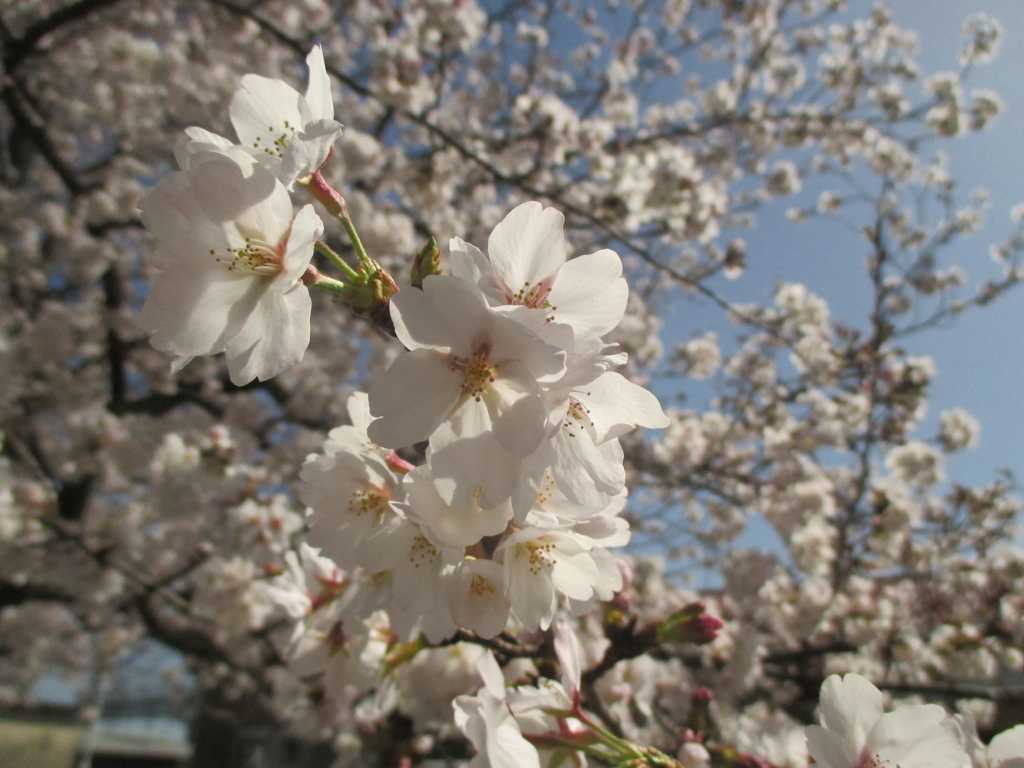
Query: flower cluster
481, 480
230, 251
508, 388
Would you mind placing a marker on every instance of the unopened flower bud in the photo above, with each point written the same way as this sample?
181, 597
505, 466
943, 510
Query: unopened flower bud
310, 276
699, 720
689, 625
427, 262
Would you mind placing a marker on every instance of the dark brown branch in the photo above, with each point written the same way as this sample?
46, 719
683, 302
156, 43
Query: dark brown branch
20, 48
34, 130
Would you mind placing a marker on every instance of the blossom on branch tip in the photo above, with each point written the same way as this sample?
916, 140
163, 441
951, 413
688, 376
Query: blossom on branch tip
290, 132
487, 722
231, 259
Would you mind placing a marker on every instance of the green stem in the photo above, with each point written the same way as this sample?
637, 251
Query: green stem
330, 284
334, 203
353, 236
600, 754
335, 259
606, 736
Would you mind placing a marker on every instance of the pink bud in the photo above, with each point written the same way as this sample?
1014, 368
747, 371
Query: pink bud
702, 695
311, 276
690, 625
705, 628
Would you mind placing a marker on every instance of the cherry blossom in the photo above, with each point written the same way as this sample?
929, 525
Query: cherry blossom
487, 722
292, 133
527, 267
799, 492
542, 564
855, 733
231, 257
471, 384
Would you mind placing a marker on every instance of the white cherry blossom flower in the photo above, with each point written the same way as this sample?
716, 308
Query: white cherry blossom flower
420, 574
231, 257
308, 581
471, 384
351, 493
292, 133
487, 722
451, 525
595, 406
528, 267
540, 565
478, 599
855, 733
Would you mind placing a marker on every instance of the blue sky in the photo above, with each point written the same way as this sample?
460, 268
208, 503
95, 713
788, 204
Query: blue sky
979, 356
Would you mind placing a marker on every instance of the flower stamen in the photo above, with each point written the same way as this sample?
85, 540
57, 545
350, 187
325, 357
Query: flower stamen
256, 256
478, 373
275, 146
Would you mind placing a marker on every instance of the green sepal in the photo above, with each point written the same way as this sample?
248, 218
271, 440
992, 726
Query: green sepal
427, 262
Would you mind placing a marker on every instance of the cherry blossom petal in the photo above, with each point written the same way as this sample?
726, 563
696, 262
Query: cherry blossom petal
187, 313
616, 405
469, 262
590, 294
516, 409
170, 212
466, 459
274, 338
309, 150
587, 473
850, 706
570, 657
527, 246
1006, 750
318, 91
412, 397
266, 113
460, 309
235, 188
415, 319
913, 736
306, 229
451, 525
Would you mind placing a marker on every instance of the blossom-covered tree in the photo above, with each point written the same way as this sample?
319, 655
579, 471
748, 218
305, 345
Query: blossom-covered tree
356, 413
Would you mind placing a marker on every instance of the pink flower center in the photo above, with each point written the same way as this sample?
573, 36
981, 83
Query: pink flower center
533, 295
